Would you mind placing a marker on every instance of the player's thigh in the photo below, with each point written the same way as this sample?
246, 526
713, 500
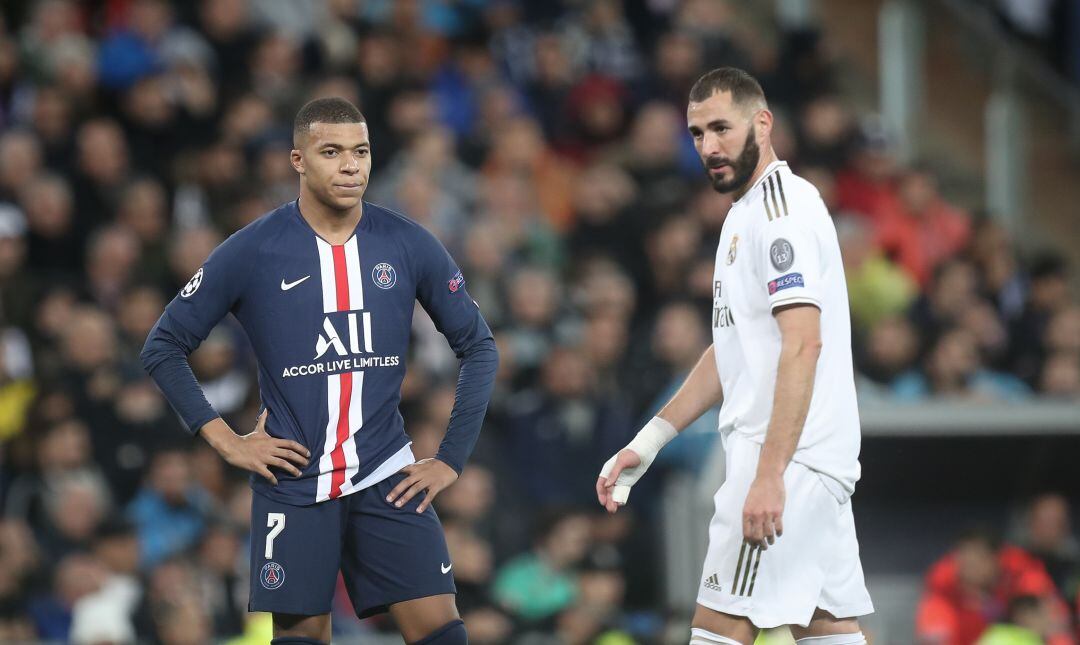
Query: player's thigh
825, 624
738, 628
420, 617
726, 526
393, 555
780, 584
844, 593
295, 556
316, 627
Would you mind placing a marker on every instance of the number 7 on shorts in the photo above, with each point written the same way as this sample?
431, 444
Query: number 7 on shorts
276, 523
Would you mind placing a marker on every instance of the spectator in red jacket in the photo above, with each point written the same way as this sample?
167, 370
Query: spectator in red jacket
971, 587
920, 229
869, 183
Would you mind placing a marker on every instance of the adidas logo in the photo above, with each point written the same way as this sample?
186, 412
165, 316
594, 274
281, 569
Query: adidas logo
712, 582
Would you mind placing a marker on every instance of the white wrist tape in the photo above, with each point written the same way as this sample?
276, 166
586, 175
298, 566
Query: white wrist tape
646, 444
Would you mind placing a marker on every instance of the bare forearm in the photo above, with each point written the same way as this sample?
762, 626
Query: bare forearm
218, 434
700, 391
791, 401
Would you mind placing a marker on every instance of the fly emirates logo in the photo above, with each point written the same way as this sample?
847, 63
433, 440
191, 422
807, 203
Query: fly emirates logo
335, 352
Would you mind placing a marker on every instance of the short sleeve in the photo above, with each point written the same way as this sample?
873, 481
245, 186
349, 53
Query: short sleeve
788, 258
441, 291
213, 291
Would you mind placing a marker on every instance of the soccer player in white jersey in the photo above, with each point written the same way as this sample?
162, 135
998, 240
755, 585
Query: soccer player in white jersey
782, 545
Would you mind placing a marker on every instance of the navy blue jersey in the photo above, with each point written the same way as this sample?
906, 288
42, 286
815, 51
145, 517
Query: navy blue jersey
330, 326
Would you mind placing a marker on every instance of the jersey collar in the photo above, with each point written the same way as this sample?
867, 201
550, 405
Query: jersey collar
295, 205
768, 171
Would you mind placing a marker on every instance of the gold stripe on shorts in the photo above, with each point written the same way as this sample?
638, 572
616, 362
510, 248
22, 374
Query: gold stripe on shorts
738, 568
746, 573
753, 576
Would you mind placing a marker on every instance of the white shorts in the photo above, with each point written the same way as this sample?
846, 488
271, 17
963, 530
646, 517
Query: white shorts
814, 564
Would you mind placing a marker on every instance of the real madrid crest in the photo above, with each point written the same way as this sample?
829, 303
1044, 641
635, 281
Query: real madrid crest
731, 249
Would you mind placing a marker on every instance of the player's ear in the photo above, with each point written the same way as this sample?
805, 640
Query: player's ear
763, 122
297, 161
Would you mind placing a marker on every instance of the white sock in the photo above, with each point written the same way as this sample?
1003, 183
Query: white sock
700, 636
834, 639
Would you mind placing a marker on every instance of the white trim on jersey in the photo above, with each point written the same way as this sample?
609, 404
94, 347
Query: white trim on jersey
393, 464
326, 462
356, 421
344, 277
356, 280
326, 272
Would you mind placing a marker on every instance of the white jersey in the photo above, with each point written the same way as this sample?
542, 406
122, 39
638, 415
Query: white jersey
778, 247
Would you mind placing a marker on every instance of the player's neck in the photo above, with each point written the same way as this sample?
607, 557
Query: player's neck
336, 227
768, 157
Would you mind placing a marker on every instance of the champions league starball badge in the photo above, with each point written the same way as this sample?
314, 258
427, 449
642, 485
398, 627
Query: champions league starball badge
272, 575
193, 284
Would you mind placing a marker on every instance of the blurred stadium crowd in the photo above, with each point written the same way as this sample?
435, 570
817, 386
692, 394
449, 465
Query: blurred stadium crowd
992, 592
545, 144
1050, 29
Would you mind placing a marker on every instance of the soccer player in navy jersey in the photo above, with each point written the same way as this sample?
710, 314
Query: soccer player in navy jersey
325, 287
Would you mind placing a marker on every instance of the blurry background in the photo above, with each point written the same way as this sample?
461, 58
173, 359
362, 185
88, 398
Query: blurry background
544, 142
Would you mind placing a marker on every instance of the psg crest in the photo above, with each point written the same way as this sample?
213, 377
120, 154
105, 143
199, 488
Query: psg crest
384, 275
272, 575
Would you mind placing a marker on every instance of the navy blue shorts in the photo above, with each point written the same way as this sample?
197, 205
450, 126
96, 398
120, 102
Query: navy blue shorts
386, 554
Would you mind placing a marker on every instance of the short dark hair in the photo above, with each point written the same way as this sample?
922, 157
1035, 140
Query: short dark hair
333, 109
744, 88
979, 535
1021, 605
1049, 264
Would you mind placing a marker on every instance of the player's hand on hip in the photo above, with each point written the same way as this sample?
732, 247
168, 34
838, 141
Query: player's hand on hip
763, 512
258, 452
610, 491
429, 475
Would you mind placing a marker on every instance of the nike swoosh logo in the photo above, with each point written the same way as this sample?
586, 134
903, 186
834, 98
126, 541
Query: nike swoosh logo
446, 568
285, 286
